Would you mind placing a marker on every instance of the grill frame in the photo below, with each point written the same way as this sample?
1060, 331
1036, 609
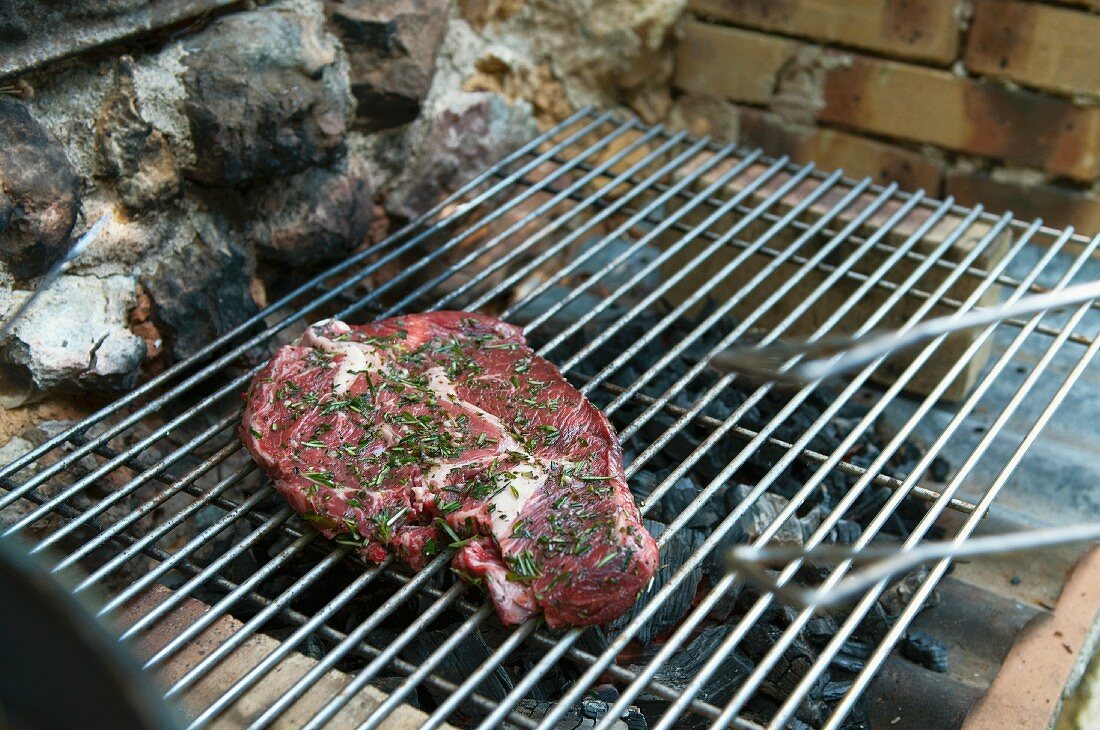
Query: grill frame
670, 153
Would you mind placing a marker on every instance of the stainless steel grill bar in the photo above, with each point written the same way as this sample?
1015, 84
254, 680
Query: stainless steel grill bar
949, 302
929, 401
572, 207
353, 638
479, 675
368, 672
606, 212
704, 606
146, 476
398, 696
776, 197
226, 359
956, 481
958, 209
709, 286
729, 521
624, 255
291, 643
180, 594
571, 637
574, 188
58, 440
952, 427
809, 456
940, 568
241, 635
653, 296
156, 534
766, 664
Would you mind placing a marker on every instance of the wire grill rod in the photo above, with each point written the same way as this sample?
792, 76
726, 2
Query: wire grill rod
579, 236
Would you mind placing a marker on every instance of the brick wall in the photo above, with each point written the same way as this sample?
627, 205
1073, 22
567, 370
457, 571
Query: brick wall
991, 101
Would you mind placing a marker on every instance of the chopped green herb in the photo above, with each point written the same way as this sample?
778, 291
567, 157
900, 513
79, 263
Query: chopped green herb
607, 559
324, 478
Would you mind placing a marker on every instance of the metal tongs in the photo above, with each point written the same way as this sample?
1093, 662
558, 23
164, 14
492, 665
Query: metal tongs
55, 271
883, 561
826, 358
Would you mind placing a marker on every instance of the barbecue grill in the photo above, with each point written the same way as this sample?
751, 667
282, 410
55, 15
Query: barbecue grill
594, 226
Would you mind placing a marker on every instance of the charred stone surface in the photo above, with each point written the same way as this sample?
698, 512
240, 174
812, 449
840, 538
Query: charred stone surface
312, 217
200, 291
39, 193
265, 96
466, 132
131, 151
392, 49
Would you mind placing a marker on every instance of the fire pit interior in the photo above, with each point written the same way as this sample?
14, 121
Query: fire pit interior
630, 255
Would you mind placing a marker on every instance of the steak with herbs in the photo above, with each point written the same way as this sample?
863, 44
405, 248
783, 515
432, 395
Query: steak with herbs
444, 430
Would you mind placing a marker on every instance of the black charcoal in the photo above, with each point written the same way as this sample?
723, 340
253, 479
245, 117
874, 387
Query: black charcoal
922, 648
900, 594
585, 714
820, 630
939, 469
834, 691
685, 665
788, 669
458, 665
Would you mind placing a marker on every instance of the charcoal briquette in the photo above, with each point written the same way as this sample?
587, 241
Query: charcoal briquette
835, 691
895, 598
939, 469
820, 630
458, 664
846, 532
924, 649
685, 665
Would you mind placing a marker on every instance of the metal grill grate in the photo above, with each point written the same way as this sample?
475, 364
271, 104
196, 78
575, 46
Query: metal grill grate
539, 239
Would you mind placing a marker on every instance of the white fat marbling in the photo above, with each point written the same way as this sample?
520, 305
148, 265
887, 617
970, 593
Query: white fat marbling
358, 356
515, 491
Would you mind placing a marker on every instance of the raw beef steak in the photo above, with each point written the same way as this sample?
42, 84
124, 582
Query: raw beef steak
439, 430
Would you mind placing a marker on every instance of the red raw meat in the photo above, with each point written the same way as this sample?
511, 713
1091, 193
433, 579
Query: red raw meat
412, 434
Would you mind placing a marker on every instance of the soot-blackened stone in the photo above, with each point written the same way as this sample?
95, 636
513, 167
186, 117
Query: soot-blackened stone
39, 193
200, 291
924, 649
265, 97
313, 217
392, 47
133, 152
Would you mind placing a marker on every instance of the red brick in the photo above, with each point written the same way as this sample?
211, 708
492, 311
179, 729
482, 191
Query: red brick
1056, 205
831, 149
1038, 45
731, 63
926, 105
924, 30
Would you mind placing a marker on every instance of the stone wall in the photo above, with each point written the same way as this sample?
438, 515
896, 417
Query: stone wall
259, 142
991, 101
